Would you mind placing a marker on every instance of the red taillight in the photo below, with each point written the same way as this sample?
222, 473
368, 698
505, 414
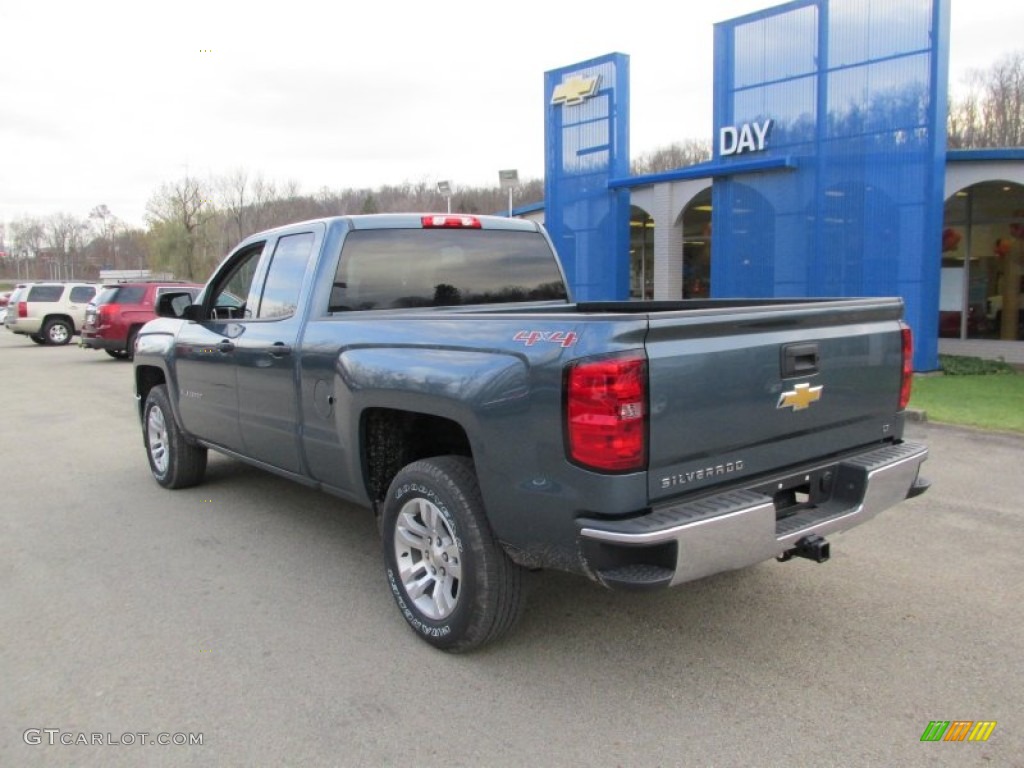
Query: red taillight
908, 367
22, 309
605, 411
450, 222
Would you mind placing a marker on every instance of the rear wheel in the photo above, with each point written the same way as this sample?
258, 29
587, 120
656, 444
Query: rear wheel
117, 354
175, 463
129, 350
57, 331
452, 581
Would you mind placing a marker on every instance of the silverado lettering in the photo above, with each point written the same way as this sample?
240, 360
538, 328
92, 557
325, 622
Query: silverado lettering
688, 477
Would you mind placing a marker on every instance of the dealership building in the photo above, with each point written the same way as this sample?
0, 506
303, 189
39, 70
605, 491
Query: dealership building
829, 177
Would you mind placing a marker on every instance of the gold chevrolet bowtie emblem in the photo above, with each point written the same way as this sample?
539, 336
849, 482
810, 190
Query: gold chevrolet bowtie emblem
800, 397
575, 90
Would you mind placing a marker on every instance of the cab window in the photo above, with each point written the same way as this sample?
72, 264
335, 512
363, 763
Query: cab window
230, 293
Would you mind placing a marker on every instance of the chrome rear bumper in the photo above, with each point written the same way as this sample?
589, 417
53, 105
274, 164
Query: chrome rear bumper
739, 528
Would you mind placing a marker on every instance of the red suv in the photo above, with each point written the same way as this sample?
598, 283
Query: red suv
118, 311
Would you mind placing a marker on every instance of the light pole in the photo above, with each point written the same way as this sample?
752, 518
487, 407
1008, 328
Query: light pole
509, 180
445, 188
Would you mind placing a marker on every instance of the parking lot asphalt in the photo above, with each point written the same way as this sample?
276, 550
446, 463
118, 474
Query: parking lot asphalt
254, 612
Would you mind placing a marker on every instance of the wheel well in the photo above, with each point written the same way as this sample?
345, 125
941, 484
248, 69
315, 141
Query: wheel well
392, 439
147, 377
65, 318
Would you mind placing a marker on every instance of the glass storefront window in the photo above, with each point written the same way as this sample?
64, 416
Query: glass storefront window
982, 249
641, 254
697, 247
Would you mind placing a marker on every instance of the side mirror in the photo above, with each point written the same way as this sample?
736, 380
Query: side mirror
176, 305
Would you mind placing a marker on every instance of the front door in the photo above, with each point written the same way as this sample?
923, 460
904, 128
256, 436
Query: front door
205, 355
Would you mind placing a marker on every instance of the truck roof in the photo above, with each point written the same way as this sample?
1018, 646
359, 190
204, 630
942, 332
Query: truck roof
415, 221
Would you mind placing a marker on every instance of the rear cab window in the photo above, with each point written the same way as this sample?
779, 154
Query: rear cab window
121, 294
396, 268
284, 277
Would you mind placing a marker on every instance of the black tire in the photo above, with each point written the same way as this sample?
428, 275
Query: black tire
175, 463
129, 350
117, 354
57, 331
37, 339
433, 518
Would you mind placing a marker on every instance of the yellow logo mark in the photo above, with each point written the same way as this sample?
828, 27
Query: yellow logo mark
575, 90
982, 730
800, 397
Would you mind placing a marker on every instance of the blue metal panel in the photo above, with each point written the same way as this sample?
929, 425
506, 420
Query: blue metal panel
856, 90
586, 129
709, 170
971, 155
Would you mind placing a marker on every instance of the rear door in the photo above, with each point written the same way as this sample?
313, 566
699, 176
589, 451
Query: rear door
78, 303
265, 352
736, 393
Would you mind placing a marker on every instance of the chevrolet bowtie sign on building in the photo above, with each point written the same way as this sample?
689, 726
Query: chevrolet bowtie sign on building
575, 90
586, 130
826, 177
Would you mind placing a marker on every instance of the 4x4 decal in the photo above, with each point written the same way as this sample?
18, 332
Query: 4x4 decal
563, 338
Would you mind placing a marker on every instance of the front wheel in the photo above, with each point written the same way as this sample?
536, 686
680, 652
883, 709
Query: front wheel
451, 579
174, 462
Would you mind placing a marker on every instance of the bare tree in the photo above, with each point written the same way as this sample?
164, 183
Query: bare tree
63, 235
677, 155
992, 112
177, 214
107, 226
233, 194
27, 238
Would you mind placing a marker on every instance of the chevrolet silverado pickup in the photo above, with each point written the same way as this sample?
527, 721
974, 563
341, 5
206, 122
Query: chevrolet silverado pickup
434, 369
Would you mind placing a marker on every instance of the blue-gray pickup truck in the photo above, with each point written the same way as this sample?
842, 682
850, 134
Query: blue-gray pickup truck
434, 369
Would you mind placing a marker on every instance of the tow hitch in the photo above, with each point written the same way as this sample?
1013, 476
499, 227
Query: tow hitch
813, 547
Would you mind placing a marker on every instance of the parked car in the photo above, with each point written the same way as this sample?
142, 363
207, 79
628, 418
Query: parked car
977, 323
11, 317
50, 313
114, 317
994, 307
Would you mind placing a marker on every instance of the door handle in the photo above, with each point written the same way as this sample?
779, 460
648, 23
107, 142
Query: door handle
799, 360
279, 349
226, 346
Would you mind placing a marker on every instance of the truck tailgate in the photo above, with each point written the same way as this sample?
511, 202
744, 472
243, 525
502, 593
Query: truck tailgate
739, 393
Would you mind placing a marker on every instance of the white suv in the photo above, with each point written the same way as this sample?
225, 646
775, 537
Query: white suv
50, 313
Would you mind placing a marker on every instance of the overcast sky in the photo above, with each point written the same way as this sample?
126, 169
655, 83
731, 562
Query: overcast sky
101, 102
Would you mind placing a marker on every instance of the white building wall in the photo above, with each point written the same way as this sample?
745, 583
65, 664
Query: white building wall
665, 203
964, 173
